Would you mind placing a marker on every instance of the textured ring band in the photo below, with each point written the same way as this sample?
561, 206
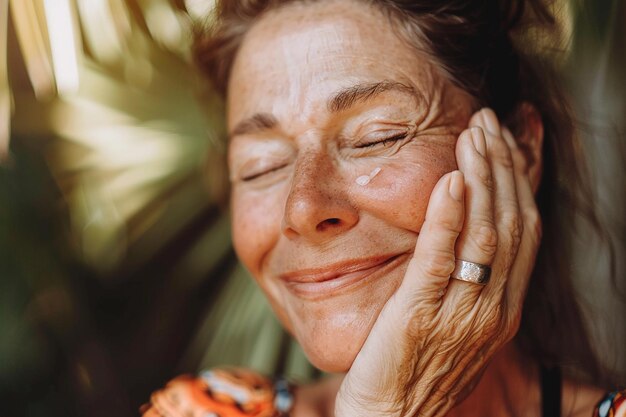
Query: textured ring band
471, 272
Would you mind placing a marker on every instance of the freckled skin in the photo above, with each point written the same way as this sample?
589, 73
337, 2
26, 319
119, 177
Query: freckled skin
291, 61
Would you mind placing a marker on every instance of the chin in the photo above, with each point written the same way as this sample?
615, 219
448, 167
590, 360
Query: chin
332, 360
332, 345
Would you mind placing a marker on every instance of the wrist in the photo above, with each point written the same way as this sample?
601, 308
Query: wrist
349, 405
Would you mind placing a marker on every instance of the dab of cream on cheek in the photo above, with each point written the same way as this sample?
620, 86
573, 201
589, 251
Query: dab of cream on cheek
363, 180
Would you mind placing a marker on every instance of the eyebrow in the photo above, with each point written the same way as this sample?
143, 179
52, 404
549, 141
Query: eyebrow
256, 123
339, 101
348, 97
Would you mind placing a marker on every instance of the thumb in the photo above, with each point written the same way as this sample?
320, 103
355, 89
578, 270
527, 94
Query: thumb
432, 263
419, 296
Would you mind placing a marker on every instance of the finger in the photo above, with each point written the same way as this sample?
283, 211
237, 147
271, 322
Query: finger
531, 236
525, 194
429, 270
418, 298
478, 239
506, 206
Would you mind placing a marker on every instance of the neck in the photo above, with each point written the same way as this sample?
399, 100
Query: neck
509, 387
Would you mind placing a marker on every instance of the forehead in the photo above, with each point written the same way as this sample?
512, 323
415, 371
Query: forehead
295, 57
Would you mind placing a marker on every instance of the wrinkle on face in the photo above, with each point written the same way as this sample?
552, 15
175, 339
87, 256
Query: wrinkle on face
292, 62
294, 73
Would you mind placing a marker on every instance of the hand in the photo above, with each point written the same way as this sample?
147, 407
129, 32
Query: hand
435, 335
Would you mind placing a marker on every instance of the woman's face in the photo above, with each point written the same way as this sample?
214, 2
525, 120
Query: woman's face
338, 133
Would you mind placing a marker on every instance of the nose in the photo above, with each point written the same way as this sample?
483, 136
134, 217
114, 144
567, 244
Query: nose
318, 206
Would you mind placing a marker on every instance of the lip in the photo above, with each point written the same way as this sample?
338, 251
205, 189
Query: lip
314, 283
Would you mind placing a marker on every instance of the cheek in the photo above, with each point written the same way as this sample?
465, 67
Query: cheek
256, 220
256, 229
400, 192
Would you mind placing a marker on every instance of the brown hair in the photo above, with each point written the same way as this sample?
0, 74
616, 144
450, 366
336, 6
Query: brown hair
479, 43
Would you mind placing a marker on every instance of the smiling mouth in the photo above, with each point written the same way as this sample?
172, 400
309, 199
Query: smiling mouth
315, 283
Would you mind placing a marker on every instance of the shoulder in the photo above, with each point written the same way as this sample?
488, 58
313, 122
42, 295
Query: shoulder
581, 400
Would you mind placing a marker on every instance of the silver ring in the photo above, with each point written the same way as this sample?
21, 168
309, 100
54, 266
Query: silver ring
471, 272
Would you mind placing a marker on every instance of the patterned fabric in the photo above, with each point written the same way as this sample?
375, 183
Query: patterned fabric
237, 392
222, 393
612, 405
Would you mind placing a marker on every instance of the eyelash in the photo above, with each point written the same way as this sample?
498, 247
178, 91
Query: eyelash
260, 174
384, 142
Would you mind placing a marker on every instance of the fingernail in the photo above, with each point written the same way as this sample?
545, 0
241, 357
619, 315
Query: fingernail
456, 186
491, 122
478, 138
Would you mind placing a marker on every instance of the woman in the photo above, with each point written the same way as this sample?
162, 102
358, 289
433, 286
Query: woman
391, 162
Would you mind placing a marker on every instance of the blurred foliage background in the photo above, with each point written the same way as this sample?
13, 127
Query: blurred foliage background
116, 270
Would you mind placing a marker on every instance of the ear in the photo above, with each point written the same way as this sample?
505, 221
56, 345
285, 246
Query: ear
529, 137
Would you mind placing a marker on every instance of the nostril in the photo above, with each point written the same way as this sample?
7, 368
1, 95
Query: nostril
328, 222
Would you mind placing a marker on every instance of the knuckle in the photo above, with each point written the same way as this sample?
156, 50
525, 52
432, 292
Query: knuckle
514, 226
533, 224
439, 263
483, 173
447, 223
451, 224
501, 153
519, 161
419, 321
485, 237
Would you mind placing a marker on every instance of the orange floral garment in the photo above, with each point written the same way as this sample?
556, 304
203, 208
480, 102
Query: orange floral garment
222, 393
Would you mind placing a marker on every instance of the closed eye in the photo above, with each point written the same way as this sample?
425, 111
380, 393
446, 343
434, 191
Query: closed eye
256, 175
387, 141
